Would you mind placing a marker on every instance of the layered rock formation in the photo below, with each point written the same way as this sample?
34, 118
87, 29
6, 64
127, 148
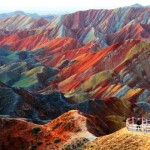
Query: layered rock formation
94, 61
39, 108
101, 26
21, 22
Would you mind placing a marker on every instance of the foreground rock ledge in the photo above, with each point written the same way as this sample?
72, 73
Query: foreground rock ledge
121, 140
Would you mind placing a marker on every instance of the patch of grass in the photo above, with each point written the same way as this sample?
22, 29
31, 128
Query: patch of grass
28, 78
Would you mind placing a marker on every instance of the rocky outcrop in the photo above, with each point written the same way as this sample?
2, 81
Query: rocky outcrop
34, 136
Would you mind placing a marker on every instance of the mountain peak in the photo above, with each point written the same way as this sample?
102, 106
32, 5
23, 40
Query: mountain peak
136, 5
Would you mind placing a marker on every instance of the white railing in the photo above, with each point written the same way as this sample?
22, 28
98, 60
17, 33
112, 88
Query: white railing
132, 126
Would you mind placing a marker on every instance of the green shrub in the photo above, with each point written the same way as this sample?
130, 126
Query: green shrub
39, 143
56, 140
36, 130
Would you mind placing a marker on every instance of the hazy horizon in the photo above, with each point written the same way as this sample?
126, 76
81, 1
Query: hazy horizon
64, 6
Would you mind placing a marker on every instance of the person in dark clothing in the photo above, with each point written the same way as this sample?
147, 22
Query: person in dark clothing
139, 122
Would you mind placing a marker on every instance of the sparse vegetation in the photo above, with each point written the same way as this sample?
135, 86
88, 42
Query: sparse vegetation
33, 147
56, 125
77, 130
76, 144
57, 140
22, 147
69, 126
36, 130
39, 143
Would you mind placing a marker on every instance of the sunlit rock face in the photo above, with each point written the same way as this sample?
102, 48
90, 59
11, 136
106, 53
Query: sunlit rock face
28, 135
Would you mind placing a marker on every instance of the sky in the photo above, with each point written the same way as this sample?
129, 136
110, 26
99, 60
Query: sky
64, 6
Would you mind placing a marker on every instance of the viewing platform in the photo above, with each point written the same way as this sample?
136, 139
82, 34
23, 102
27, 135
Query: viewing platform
138, 125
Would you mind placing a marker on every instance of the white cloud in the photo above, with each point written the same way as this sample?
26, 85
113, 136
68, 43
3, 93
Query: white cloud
65, 5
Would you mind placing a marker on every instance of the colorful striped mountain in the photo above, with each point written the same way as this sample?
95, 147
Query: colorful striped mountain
90, 67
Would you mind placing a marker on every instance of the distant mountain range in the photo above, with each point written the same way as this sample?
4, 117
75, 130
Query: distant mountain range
46, 16
137, 5
33, 15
